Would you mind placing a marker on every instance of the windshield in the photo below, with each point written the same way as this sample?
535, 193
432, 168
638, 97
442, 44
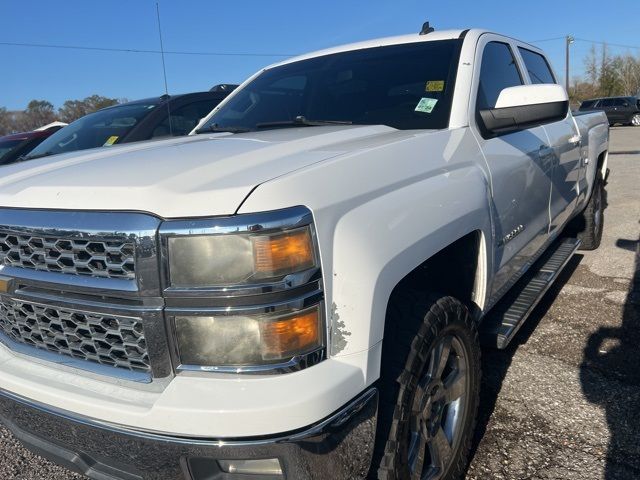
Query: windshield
405, 86
102, 128
7, 145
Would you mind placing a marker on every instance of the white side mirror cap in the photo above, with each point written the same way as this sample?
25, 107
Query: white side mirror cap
523, 95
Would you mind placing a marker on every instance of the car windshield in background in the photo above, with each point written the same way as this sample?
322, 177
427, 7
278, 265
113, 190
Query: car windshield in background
587, 104
103, 128
7, 145
405, 86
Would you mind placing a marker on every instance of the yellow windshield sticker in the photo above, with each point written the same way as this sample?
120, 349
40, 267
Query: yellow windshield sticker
435, 86
111, 140
426, 105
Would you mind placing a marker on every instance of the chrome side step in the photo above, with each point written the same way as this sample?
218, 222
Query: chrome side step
505, 319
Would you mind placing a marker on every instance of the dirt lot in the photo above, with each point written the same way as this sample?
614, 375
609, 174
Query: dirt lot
564, 401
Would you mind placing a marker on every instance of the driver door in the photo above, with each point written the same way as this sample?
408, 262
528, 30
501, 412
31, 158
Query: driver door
520, 164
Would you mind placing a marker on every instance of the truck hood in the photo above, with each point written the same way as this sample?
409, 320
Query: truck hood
199, 175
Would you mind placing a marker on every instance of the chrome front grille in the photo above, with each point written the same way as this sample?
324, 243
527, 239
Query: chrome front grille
116, 341
91, 256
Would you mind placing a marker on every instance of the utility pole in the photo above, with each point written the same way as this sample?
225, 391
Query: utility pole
569, 41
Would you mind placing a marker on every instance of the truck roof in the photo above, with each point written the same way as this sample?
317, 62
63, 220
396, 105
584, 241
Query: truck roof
379, 42
395, 40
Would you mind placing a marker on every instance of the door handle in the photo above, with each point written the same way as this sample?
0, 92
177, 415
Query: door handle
575, 141
545, 151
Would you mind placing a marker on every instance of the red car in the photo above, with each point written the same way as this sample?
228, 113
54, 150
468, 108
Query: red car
13, 146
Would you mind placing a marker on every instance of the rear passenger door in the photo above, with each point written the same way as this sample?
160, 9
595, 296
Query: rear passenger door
564, 140
623, 109
520, 165
607, 106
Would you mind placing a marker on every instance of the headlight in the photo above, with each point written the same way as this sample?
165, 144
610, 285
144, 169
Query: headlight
241, 340
244, 293
233, 259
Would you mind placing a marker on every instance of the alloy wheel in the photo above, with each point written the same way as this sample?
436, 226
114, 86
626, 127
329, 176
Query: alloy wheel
437, 413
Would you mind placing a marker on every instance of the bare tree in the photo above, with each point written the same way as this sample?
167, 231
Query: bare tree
591, 66
609, 80
5, 121
628, 69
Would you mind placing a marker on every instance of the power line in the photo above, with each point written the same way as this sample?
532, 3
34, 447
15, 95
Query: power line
136, 50
547, 40
586, 41
607, 43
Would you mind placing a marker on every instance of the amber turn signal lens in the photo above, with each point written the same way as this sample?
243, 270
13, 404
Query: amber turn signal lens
291, 335
283, 253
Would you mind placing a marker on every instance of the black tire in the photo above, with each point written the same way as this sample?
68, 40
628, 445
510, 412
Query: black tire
418, 327
590, 223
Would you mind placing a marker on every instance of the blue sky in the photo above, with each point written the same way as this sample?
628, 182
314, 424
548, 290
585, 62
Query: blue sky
252, 26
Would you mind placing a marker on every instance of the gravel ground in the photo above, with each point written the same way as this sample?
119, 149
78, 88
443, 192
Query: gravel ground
563, 402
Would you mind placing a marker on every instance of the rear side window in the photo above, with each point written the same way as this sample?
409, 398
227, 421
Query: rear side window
587, 104
498, 71
537, 66
607, 103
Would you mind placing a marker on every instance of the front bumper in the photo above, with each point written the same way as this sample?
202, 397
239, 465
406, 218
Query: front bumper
339, 447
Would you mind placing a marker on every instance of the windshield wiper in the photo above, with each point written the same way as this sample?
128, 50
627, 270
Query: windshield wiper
38, 155
302, 121
214, 128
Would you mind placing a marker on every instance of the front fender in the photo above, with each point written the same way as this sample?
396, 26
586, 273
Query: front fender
379, 213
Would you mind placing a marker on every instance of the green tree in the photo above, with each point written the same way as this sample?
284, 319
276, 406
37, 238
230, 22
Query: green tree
73, 109
37, 114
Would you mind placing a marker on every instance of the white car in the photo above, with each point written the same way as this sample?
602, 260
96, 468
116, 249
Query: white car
299, 289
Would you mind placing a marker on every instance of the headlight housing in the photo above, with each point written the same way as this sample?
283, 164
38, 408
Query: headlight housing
219, 260
243, 340
244, 293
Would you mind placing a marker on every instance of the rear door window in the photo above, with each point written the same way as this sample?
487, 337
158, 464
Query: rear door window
537, 66
497, 72
607, 103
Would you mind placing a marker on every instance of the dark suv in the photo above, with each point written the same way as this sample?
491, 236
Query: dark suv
625, 110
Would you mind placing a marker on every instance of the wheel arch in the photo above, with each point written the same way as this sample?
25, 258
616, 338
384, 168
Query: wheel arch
603, 161
458, 270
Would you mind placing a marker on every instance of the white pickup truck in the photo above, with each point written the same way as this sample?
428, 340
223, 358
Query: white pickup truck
299, 289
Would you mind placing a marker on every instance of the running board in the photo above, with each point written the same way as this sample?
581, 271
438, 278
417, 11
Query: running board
505, 319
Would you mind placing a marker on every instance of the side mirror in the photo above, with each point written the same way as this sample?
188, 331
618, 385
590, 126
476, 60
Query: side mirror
525, 106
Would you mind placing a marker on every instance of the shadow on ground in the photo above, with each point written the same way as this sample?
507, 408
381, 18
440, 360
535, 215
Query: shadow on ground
613, 355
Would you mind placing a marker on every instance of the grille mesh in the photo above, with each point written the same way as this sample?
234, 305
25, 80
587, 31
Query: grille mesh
93, 257
108, 340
